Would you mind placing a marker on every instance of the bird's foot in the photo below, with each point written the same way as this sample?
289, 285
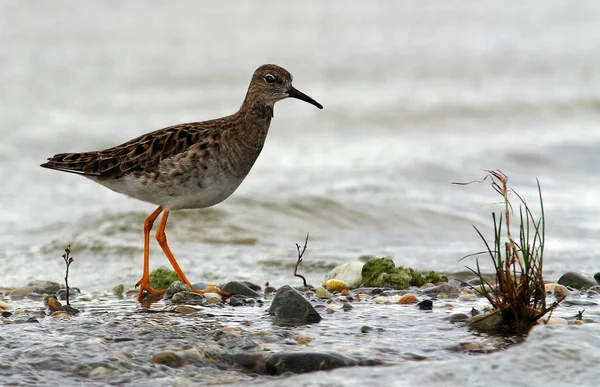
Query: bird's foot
146, 289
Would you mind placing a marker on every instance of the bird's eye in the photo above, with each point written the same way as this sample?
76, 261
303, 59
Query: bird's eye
269, 78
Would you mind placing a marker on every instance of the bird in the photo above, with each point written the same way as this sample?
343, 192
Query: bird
187, 166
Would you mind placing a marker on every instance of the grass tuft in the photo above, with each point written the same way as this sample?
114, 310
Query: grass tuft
517, 296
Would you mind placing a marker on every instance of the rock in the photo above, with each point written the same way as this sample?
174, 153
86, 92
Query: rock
336, 285
4, 305
450, 290
297, 362
44, 286
213, 298
38, 286
119, 290
435, 277
350, 273
554, 321
235, 287
425, 305
427, 285
290, 307
175, 288
408, 298
467, 297
492, 322
54, 305
458, 317
252, 286
168, 358
347, 307
60, 314
577, 280
474, 281
161, 278
70, 310
560, 291
187, 297
61, 294
321, 292
383, 271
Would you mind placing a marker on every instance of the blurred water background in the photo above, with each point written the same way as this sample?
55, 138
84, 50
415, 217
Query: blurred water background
416, 95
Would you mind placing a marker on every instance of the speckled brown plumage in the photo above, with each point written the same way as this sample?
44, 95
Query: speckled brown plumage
193, 165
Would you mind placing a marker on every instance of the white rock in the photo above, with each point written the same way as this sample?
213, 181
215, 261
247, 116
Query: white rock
350, 273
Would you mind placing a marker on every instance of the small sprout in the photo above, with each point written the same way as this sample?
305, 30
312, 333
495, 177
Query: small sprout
580, 315
300, 254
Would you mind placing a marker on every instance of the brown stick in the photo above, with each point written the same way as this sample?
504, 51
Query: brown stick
300, 254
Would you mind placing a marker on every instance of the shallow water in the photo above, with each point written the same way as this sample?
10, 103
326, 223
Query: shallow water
416, 96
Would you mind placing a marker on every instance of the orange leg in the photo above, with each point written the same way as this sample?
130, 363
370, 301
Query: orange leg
161, 237
144, 283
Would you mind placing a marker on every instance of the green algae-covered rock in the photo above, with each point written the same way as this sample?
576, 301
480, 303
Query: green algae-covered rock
162, 277
383, 272
435, 277
374, 270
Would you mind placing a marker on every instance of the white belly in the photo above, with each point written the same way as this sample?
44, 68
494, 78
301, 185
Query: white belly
199, 189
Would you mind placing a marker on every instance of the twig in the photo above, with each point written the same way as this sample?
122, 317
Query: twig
300, 254
68, 261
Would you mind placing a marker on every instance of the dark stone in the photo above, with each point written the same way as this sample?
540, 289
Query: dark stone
347, 307
450, 290
425, 305
252, 286
235, 287
175, 288
577, 280
597, 277
290, 307
377, 291
365, 329
61, 294
297, 362
187, 297
6, 314
70, 310
474, 281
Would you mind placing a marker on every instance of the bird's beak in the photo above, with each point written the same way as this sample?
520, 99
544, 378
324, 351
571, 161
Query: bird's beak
295, 93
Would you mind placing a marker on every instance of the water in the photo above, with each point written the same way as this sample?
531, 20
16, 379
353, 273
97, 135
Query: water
416, 96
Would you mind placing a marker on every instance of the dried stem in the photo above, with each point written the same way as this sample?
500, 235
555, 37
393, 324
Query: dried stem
300, 254
68, 260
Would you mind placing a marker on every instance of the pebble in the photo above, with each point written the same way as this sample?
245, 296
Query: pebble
212, 298
60, 314
349, 273
467, 297
427, 285
4, 305
187, 297
54, 305
168, 358
290, 307
425, 305
408, 298
561, 291
321, 292
448, 289
554, 321
458, 317
336, 285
